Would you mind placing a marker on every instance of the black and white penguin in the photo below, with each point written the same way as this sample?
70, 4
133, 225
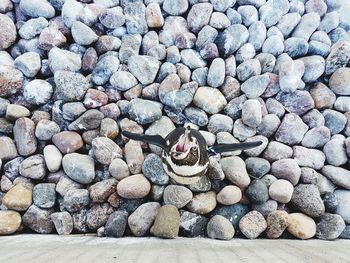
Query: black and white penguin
185, 154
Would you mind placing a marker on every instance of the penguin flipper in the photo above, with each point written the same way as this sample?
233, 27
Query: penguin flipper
220, 148
151, 139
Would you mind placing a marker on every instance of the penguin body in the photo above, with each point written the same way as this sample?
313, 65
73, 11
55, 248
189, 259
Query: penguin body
185, 154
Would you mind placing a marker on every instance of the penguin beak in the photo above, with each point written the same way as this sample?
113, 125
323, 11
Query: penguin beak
184, 142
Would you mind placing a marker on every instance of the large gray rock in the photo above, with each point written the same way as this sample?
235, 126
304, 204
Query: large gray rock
79, 167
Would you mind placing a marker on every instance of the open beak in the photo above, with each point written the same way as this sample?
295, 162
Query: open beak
184, 142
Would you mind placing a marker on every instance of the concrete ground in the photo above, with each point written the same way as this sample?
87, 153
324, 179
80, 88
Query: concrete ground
87, 248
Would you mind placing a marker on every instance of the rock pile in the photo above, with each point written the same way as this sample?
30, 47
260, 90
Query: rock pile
75, 74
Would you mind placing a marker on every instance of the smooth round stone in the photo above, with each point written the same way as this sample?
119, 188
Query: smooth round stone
287, 169
308, 176
337, 175
330, 226
235, 171
314, 68
277, 222
152, 168
44, 195
196, 116
63, 222
104, 69
231, 39
314, 118
45, 129
306, 198
177, 195
105, 150
257, 167
309, 157
251, 113
220, 123
39, 220
316, 137
37, 8
276, 151
252, 224
335, 152
342, 104
76, 199
343, 208
37, 92
79, 167
67, 141
133, 187
144, 68
334, 121
209, 99
141, 220
192, 225
339, 82
32, 27
11, 79
257, 192
251, 68
301, 226
60, 59
53, 158
8, 33
70, 86
134, 156
28, 63
298, 102
144, 111
242, 131
281, 191
33, 167
100, 191
82, 34
98, 215
220, 228
307, 25
154, 15
202, 203
9, 149
268, 125
167, 222
116, 224
24, 136
229, 195
292, 129
10, 222
123, 80
119, 169
19, 197
199, 16
268, 179
89, 120
257, 150
216, 73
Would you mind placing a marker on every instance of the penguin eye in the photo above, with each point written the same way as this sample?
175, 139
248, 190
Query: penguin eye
195, 148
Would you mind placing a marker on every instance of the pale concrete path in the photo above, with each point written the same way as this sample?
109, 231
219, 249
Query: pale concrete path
78, 248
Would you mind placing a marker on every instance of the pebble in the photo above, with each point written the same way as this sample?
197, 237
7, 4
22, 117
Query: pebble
11, 79
76, 199
9, 151
141, 220
119, 169
10, 222
314, 68
257, 167
116, 224
323, 97
123, 80
252, 224
220, 123
281, 190
63, 222
277, 222
60, 59
343, 208
235, 171
242, 131
176, 195
137, 111
229, 195
307, 25
251, 113
287, 169
268, 125
339, 82
301, 226
105, 150
28, 63
98, 215
19, 197
192, 225
312, 158
337, 175
338, 57
231, 39
9, 33
209, 99
330, 226
89, 120
199, 16
100, 191
292, 129
259, 149
330, 202
53, 158
306, 198
44, 195
335, 152
70, 86
104, 69
39, 220
133, 187
79, 167
257, 192
202, 203
144, 68
216, 73
334, 121
82, 34
154, 16
167, 222
38, 92
152, 169
220, 228
298, 102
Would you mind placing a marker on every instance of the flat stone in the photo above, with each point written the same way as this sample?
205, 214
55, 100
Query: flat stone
301, 226
306, 198
18, 198
39, 220
167, 222
10, 222
134, 186
141, 220
252, 224
79, 167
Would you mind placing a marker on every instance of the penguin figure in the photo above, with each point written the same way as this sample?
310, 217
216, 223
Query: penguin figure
185, 154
